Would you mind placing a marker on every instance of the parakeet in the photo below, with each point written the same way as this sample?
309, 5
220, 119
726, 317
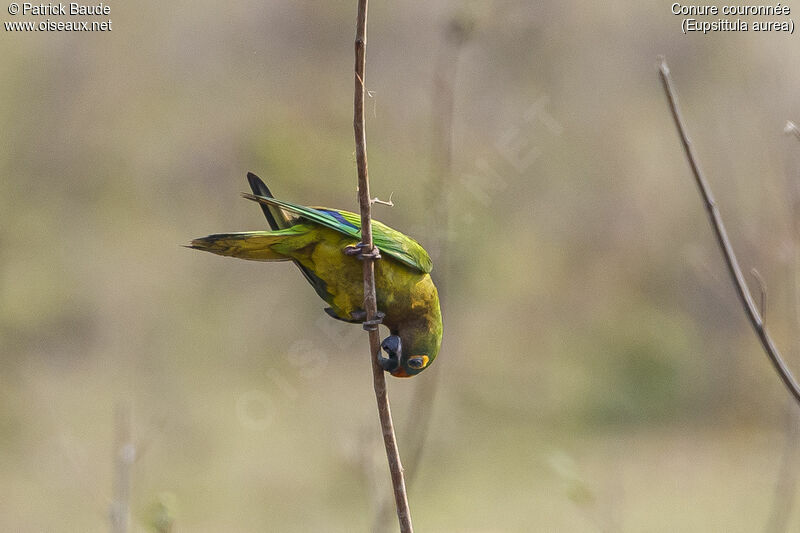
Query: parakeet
320, 241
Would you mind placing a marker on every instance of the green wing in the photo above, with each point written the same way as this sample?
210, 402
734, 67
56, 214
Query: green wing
388, 240
397, 244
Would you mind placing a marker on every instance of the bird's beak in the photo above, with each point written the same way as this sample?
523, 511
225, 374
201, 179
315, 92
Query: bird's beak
393, 348
400, 373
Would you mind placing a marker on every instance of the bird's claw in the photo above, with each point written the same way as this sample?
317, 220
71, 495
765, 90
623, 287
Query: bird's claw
372, 325
358, 251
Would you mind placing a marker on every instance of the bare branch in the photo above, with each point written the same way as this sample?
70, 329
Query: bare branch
762, 288
368, 254
715, 218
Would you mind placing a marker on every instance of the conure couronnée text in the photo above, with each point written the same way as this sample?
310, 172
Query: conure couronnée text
317, 240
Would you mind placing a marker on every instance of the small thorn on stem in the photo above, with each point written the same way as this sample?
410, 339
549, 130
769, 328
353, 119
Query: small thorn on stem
388, 202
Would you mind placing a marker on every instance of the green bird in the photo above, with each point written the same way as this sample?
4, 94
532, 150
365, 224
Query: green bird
324, 243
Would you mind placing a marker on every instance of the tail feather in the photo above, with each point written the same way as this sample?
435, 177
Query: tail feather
254, 245
275, 216
277, 219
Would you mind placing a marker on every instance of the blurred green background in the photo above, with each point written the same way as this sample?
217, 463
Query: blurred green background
597, 372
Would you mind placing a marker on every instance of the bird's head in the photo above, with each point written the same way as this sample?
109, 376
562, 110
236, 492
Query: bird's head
409, 353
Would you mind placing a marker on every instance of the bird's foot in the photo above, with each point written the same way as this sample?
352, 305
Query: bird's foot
360, 317
372, 325
358, 251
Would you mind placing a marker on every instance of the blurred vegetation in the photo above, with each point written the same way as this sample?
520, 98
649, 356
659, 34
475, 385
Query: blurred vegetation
597, 371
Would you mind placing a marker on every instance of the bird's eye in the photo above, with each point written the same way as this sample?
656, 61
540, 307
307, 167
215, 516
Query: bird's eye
416, 362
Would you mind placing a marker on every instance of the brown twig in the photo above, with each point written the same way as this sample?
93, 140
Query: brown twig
388, 202
735, 272
370, 300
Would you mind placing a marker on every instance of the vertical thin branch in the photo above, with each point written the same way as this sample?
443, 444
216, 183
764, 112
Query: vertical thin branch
715, 218
786, 484
370, 300
457, 32
124, 455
